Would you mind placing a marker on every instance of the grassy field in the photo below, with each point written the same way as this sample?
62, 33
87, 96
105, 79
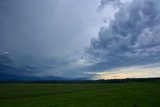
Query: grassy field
80, 94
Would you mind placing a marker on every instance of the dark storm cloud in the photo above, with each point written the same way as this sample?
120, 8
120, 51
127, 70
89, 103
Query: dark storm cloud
46, 38
45, 35
31, 67
132, 37
6, 59
7, 64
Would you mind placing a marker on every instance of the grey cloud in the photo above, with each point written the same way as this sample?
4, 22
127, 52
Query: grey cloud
104, 2
31, 67
40, 34
6, 59
132, 36
46, 28
114, 3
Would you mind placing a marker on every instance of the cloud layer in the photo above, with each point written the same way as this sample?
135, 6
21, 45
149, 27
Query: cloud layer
41, 38
44, 37
132, 37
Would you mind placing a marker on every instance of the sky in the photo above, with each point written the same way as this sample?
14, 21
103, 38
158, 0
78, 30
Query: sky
80, 39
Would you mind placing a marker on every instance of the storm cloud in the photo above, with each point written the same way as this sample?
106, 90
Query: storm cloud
78, 39
44, 37
132, 37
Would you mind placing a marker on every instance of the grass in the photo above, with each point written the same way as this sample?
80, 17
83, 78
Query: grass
131, 94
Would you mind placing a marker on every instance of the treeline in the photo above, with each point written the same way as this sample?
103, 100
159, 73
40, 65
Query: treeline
88, 81
131, 80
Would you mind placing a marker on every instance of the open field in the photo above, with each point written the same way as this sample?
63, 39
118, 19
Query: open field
133, 94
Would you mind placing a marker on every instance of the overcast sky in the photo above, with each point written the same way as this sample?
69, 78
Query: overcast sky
91, 39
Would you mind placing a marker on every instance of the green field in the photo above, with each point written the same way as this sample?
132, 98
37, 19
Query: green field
80, 94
